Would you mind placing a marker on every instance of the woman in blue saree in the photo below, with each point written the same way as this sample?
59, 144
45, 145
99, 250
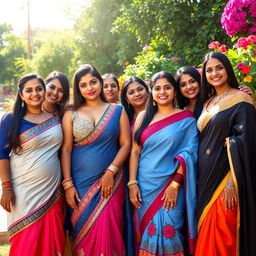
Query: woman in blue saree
96, 143
163, 173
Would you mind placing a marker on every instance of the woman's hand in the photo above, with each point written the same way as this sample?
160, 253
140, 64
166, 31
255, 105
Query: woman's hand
135, 196
170, 197
72, 194
246, 89
230, 198
7, 199
107, 183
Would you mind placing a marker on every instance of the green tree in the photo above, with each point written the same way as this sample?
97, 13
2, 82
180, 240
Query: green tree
180, 28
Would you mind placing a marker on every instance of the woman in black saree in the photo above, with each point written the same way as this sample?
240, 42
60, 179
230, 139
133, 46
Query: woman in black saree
227, 162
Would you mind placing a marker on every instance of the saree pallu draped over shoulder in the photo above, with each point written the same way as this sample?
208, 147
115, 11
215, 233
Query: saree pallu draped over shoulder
36, 218
98, 223
168, 143
227, 146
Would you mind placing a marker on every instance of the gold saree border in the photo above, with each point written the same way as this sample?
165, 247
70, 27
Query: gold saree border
235, 99
237, 192
213, 199
36, 215
95, 214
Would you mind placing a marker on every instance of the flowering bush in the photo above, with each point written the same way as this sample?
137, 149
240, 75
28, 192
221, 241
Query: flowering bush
243, 59
239, 17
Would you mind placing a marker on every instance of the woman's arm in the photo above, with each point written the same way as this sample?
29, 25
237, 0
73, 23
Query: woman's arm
66, 150
107, 181
134, 191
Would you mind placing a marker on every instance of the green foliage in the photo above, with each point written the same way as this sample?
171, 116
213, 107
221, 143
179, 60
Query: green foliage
149, 62
184, 28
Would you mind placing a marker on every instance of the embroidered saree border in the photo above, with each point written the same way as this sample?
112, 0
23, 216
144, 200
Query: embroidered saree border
38, 129
143, 252
213, 199
94, 215
85, 201
32, 217
207, 116
237, 192
99, 128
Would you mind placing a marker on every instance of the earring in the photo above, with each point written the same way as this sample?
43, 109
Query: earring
154, 103
22, 104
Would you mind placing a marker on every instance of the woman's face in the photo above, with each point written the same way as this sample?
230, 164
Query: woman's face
216, 73
163, 92
189, 87
90, 87
54, 92
136, 94
110, 90
33, 93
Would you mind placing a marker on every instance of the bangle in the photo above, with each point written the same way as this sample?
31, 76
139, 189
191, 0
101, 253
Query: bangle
110, 171
113, 168
7, 185
132, 182
67, 183
7, 189
229, 185
175, 184
178, 177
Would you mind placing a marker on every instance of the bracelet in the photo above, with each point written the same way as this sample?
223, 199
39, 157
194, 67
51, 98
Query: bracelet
175, 184
110, 171
7, 189
113, 168
178, 177
7, 185
132, 182
67, 183
229, 185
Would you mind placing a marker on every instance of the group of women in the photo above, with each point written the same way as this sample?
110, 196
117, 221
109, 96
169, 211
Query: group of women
192, 192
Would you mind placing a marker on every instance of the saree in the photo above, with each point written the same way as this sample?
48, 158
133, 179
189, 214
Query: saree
35, 223
227, 145
167, 144
98, 223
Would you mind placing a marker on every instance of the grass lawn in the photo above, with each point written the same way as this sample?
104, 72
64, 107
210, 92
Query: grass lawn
4, 249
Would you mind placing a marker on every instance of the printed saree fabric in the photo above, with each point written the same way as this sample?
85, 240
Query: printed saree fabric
167, 144
227, 145
36, 218
98, 224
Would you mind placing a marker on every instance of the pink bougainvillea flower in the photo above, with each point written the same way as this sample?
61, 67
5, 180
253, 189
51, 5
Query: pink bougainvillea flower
214, 45
240, 65
223, 48
248, 79
245, 69
151, 229
242, 42
254, 54
146, 47
169, 231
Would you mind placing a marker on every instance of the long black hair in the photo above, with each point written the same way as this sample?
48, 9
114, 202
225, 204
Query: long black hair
128, 107
152, 106
83, 70
207, 90
181, 99
61, 77
19, 111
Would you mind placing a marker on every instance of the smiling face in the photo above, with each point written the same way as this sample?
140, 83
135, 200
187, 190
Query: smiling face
189, 87
110, 89
136, 94
216, 73
54, 92
33, 93
163, 92
90, 87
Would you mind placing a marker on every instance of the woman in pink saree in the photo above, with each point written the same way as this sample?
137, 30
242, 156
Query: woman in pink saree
30, 173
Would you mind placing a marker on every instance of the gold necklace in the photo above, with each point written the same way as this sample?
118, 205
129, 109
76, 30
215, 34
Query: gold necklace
35, 114
217, 99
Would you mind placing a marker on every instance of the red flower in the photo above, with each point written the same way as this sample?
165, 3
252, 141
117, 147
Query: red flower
169, 231
223, 48
242, 42
151, 229
245, 69
214, 45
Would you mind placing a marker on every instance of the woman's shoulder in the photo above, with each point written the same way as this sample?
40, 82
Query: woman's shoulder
240, 96
6, 119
